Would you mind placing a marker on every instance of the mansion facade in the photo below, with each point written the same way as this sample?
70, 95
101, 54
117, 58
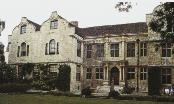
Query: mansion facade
98, 56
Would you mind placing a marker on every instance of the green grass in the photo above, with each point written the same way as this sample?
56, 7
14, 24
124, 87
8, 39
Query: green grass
49, 99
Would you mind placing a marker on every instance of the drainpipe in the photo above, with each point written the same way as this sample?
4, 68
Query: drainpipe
138, 62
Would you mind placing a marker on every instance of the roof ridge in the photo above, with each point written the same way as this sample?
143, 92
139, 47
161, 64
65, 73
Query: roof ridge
35, 24
111, 25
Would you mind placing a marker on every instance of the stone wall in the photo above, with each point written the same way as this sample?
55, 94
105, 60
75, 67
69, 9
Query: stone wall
64, 35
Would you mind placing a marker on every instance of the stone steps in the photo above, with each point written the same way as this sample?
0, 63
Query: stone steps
104, 90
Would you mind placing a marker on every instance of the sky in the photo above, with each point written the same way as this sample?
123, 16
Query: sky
87, 12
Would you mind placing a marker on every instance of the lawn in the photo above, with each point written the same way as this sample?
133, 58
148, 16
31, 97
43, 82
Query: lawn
49, 99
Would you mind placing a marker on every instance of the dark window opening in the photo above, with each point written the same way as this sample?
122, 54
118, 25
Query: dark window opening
46, 49
89, 50
23, 49
130, 73
130, 49
52, 46
88, 73
78, 48
57, 48
100, 50
54, 24
143, 74
166, 50
23, 29
114, 50
78, 72
143, 49
18, 52
166, 76
27, 50
99, 73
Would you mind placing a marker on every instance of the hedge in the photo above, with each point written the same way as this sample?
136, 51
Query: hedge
147, 98
14, 87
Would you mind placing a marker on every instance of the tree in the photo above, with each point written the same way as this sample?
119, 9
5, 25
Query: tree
154, 81
162, 21
7, 73
2, 26
25, 72
43, 79
123, 6
63, 79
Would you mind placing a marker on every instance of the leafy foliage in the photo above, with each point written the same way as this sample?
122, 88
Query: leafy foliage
154, 81
113, 94
86, 92
25, 72
7, 73
63, 79
163, 21
45, 80
127, 90
14, 87
123, 6
27, 69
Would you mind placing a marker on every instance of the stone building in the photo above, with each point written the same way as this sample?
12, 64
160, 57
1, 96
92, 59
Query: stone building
99, 57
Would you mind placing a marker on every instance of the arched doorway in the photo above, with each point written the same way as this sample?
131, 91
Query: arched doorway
114, 76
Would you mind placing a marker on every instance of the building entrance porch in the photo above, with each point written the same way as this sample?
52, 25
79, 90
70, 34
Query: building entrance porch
114, 76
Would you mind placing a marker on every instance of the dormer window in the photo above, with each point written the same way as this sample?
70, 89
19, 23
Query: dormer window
54, 24
23, 29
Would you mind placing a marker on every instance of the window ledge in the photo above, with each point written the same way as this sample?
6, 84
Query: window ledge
166, 57
99, 79
166, 84
22, 56
53, 28
51, 54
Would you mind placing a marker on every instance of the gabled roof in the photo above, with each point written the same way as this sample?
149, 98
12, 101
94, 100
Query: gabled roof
133, 28
35, 24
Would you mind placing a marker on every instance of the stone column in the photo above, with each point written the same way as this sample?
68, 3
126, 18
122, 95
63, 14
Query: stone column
120, 74
123, 73
106, 81
107, 70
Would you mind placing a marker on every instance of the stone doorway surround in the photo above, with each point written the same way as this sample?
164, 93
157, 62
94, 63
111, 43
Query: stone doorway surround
114, 76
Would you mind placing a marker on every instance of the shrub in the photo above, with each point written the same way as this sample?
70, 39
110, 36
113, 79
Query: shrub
44, 80
86, 92
63, 79
60, 93
27, 69
7, 73
147, 98
154, 81
14, 87
55, 93
40, 85
127, 90
113, 94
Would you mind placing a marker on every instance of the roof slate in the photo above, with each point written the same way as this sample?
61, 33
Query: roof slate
35, 24
133, 28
